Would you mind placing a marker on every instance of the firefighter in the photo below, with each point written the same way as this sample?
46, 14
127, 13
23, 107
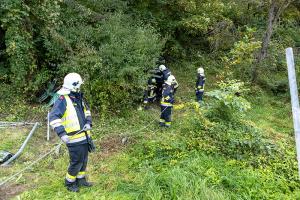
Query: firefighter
167, 102
160, 74
200, 84
165, 72
175, 84
157, 75
69, 115
150, 92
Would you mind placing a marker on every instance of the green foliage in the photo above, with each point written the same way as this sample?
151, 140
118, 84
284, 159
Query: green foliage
242, 160
19, 20
17, 109
111, 50
229, 104
273, 69
211, 152
42, 38
241, 56
195, 21
18, 45
113, 68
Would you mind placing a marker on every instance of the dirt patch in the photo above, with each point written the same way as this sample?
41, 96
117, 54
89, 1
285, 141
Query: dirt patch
113, 144
11, 191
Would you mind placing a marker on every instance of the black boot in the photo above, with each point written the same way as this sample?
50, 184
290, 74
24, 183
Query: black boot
83, 182
72, 187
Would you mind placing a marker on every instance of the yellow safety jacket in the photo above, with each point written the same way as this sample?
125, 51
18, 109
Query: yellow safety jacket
71, 123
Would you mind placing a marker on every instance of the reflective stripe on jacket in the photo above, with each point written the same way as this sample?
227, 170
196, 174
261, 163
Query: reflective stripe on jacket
167, 95
200, 83
68, 116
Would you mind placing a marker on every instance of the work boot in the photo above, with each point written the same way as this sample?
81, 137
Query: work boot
161, 124
201, 103
72, 187
83, 182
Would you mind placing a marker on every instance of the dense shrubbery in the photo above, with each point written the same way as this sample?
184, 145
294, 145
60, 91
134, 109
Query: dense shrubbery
114, 67
229, 103
110, 49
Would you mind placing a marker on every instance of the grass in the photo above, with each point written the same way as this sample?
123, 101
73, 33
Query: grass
272, 113
182, 162
11, 137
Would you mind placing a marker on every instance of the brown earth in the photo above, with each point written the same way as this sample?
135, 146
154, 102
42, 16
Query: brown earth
112, 144
11, 191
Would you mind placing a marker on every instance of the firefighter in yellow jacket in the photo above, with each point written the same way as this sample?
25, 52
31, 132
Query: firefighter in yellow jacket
69, 115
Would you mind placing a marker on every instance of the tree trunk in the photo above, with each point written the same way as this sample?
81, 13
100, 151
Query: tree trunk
268, 33
2, 39
275, 11
2, 47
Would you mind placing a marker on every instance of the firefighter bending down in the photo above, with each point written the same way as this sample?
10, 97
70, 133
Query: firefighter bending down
69, 115
159, 76
150, 92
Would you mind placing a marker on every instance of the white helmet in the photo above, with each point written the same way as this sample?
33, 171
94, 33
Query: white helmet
200, 71
171, 79
162, 68
72, 82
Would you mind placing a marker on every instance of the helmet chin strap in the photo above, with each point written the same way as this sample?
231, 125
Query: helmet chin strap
76, 90
76, 87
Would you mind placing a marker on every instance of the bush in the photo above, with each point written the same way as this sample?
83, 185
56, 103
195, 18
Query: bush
228, 104
110, 49
114, 69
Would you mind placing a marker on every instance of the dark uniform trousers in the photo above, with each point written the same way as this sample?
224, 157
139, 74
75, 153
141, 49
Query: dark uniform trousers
199, 95
165, 116
200, 87
78, 159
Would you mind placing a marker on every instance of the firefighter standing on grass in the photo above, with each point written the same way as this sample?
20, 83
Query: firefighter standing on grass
167, 101
69, 115
200, 84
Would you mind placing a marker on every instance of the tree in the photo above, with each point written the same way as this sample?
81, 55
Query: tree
276, 8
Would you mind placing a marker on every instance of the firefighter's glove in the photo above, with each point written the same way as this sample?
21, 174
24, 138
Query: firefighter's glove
87, 127
65, 138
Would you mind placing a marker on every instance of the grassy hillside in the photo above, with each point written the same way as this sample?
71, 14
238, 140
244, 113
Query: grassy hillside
199, 157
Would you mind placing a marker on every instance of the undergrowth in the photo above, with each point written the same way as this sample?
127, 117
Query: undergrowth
199, 157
